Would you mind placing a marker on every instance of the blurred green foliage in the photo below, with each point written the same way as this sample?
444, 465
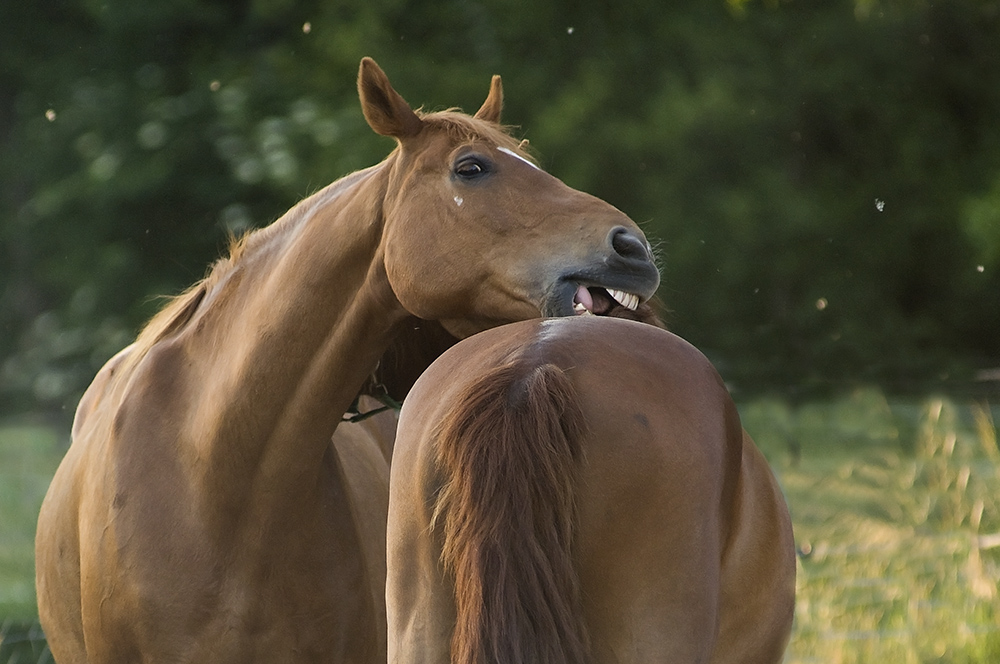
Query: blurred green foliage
822, 178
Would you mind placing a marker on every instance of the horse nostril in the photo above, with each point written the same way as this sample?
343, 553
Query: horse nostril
629, 245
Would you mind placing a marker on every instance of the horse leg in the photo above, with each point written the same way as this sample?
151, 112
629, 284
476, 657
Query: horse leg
364, 450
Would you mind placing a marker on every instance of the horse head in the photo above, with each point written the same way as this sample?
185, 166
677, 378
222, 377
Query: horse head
477, 235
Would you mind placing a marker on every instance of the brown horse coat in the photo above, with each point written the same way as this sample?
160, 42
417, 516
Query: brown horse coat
201, 513
581, 490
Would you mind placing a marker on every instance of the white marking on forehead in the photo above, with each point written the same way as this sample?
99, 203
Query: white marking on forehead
459, 200
517, 156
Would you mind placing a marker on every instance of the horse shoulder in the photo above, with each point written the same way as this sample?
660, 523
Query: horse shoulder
363, 450
59, 515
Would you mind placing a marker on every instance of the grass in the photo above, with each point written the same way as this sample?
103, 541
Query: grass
29, 455
28, 458
892, 503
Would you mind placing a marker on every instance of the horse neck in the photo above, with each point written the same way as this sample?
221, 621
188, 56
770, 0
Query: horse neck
287, 336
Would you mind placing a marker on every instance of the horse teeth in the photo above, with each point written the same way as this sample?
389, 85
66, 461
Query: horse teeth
627, 300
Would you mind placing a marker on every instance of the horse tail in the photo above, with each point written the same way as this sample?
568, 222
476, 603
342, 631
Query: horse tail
506, 453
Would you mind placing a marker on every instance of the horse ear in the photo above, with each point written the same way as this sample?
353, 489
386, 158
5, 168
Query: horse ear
491, 108
385, 110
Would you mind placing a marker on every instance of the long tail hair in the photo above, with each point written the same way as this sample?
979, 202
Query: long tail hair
507, 452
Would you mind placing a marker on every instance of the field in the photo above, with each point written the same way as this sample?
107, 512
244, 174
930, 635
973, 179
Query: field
29, 455
896, 509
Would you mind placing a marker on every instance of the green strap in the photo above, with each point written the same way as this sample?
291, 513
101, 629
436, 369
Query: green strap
358, 416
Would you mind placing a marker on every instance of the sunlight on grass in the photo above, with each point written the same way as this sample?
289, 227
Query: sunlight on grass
893, 526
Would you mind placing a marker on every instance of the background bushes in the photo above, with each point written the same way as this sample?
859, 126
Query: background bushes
822, 178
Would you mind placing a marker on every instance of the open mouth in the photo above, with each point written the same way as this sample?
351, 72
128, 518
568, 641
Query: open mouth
601, 301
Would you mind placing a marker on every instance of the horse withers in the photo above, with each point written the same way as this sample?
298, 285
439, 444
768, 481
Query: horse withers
202, 512
579, 490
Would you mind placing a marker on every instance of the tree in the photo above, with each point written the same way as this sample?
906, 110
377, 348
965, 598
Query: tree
821, 177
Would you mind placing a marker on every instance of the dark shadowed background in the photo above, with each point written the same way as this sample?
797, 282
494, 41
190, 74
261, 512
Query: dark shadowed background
822, 179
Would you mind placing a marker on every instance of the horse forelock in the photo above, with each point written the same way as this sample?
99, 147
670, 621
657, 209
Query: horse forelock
507, 452
462, 128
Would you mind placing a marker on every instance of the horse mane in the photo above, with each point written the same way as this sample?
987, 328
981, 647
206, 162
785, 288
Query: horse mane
179, 309
507, 453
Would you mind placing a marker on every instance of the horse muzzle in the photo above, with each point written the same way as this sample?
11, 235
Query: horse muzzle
625, 274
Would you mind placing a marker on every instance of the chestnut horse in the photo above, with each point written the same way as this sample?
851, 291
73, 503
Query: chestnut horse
202, 513
581, 490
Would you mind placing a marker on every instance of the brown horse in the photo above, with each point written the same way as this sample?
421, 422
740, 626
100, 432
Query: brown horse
201, 512
581, 490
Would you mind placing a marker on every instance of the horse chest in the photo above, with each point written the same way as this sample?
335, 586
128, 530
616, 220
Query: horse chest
270, 589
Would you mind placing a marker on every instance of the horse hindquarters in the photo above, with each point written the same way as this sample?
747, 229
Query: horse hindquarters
648, 537
645, 543
680, 540
758, 568
420, 605
650, 560
481, 516
681, 504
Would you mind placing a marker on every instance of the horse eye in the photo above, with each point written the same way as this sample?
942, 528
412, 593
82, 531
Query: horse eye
470, 168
